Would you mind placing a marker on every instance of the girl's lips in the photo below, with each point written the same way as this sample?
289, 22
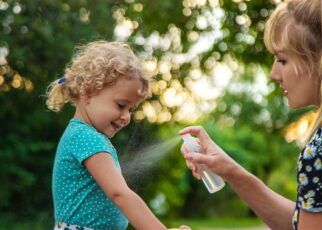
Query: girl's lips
115, 126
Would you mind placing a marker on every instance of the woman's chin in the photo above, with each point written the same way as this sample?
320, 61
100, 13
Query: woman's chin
293, 105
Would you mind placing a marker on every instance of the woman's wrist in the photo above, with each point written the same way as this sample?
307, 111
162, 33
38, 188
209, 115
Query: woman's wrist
237, 175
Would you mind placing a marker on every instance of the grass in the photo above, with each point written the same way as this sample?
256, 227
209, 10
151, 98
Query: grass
199, 224
44, 222
40, 222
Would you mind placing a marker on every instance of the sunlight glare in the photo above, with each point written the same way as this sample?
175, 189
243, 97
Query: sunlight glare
171, 98
17, 81
1, 80
149, 112
187, 112
222, 75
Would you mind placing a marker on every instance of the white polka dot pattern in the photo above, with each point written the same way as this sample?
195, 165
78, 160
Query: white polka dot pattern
78, 199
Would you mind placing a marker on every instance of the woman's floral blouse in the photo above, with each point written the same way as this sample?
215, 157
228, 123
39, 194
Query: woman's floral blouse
309, 178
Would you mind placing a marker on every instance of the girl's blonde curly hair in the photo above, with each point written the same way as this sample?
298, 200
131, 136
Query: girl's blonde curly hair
94, 66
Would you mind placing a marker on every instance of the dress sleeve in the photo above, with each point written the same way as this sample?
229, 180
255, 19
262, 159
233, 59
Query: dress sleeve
88, 142
310, 175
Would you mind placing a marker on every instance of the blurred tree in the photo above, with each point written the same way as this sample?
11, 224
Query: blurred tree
207, 58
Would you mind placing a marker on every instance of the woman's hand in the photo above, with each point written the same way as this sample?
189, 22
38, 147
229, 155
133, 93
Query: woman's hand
190, 163
210, 155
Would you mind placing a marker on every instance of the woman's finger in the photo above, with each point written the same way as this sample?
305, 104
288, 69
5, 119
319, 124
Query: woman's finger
197, 131
183, 150
198, 158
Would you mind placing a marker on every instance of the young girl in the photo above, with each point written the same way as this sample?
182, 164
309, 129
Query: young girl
293, 34
105, 83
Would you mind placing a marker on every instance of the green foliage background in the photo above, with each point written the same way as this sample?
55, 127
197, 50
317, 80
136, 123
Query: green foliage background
37, 40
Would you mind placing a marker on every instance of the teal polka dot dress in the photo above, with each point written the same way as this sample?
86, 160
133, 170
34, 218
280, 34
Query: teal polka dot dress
78, 199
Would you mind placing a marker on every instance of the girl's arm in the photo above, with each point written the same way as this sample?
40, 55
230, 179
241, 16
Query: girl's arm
102, 167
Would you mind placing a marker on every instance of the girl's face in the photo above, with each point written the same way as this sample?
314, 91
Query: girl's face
299, 87
110, 109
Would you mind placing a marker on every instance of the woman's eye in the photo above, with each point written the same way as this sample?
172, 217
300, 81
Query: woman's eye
282, 61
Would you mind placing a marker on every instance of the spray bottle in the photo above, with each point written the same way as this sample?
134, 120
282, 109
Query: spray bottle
212, 181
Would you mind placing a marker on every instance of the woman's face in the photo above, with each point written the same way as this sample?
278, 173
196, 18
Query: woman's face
299, 87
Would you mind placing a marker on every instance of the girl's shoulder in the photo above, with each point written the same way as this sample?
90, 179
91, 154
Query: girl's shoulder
80, 131
81, 138
79, 127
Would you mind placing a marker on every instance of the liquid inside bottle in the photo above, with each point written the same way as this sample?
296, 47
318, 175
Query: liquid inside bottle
212, 181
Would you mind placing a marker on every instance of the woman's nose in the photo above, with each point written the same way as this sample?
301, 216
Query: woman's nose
274, 75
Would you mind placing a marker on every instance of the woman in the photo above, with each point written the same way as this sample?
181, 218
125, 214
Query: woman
293, 35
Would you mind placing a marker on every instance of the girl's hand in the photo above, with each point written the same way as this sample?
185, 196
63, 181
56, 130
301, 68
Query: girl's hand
182, 227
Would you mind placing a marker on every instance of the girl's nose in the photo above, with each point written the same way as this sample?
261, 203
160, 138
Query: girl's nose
126, 117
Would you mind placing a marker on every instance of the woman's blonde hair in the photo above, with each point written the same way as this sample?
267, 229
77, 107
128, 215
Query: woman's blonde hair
94, 66
295, 27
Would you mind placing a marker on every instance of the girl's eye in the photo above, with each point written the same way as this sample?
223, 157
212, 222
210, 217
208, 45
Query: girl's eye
121, 106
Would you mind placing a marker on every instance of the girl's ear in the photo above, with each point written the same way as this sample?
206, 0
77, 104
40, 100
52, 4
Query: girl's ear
85, 98
88, 98
86, 92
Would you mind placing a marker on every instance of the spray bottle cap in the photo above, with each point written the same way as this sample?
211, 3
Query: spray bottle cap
190, 143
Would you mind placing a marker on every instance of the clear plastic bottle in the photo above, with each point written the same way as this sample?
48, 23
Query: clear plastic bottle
212, 181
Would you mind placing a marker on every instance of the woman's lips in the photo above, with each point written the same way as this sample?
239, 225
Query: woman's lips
285, 91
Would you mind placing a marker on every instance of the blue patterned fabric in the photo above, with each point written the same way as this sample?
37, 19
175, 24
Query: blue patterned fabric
78, 199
